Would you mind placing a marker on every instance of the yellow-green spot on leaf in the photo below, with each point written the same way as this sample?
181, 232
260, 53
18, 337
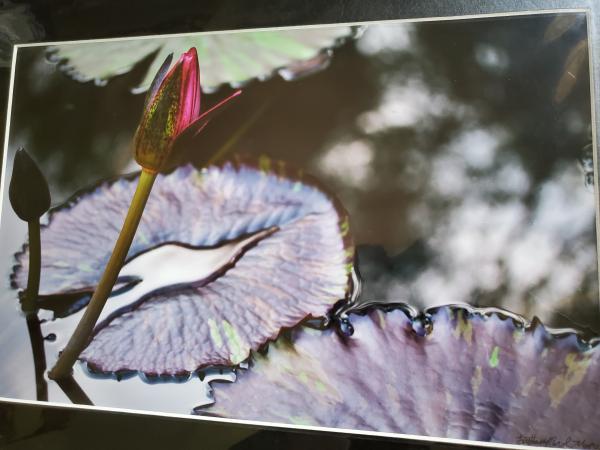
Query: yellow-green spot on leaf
345, 227
302, 376
463, 328
301, 420
494, 357
312, 331
321, 387
476, 380
198, 178
348, 267
143, 238
236, 346
264, 163
518, 335
214, 333
85, 267
575, 372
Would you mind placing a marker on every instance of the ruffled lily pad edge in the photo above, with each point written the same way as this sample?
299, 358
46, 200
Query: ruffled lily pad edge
520, 322
416, 317
263, 163
71, 71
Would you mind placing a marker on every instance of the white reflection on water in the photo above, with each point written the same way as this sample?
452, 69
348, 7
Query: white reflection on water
492, 58
540, 256
477, 147
350, 162
493, 233
387, 38
409, 103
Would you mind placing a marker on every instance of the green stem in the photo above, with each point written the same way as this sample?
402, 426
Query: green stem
33, 277
80, 338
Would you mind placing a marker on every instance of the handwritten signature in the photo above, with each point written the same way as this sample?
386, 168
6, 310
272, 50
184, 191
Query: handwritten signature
553, 441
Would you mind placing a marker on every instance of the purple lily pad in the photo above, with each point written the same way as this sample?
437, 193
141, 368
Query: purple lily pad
288, 259
477, 374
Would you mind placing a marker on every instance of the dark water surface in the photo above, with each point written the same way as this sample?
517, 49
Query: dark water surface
461, 156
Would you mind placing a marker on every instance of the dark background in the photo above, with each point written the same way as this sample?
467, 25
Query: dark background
26, 426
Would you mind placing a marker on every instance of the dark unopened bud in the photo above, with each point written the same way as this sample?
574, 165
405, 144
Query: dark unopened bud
28, 191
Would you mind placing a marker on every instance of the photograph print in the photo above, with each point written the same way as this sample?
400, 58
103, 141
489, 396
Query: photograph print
377, 227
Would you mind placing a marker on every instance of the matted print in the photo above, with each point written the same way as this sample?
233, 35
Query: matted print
384, 227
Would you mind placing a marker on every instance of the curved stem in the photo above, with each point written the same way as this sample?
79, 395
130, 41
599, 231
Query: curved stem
80, 338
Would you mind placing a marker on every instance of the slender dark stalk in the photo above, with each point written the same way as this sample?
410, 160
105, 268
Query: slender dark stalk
39, 355
29, 307
35, 263
72, 390
81, 337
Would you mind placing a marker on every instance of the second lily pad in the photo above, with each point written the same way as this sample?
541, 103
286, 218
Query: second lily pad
455, 372
231, 58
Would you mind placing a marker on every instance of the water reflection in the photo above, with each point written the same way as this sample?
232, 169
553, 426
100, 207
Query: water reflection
537, 258
464, 178
408, 103
349, 163
493, 231
385, 39
492, 58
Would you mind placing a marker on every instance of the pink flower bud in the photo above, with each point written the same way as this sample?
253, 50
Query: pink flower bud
172, 107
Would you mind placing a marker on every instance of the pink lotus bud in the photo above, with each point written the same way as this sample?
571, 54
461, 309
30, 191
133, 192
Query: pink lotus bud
172, 107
